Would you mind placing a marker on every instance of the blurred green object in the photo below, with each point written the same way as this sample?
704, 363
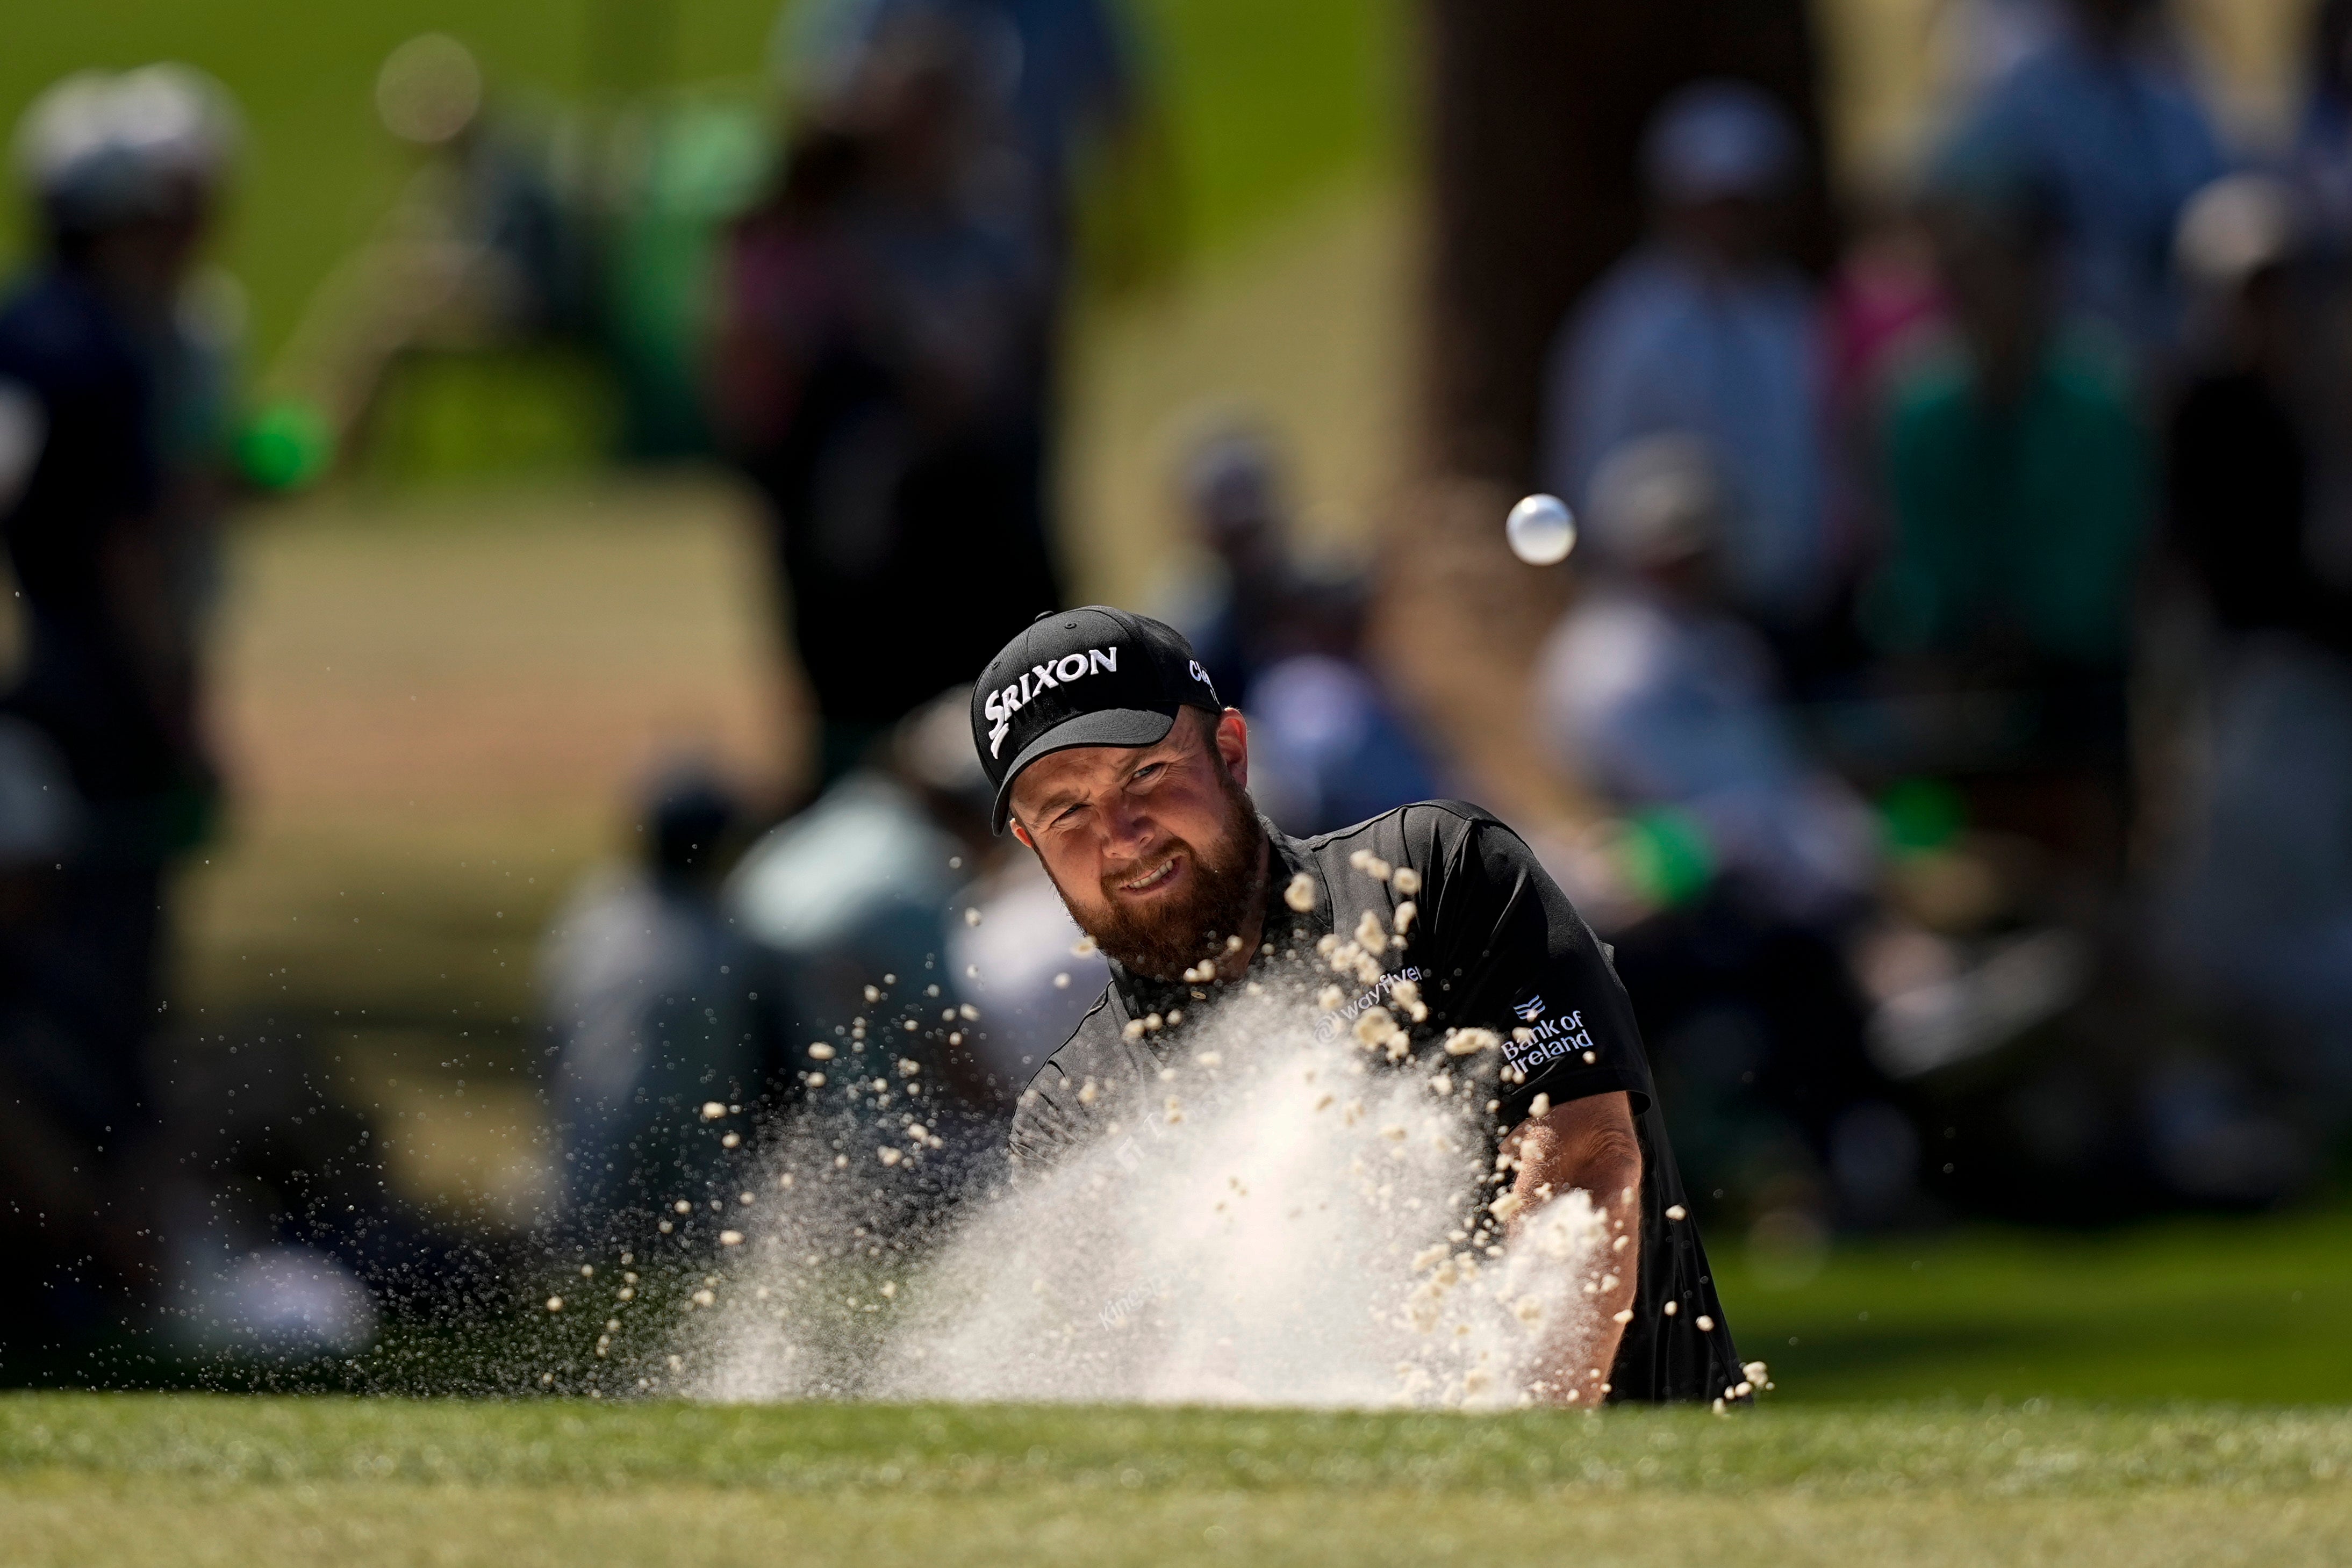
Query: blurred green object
1921, 814
1668, 858
685, 169
286, 446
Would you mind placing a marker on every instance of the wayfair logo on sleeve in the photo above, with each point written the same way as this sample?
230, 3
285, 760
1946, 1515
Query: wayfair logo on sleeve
1001, 705
1328, 1026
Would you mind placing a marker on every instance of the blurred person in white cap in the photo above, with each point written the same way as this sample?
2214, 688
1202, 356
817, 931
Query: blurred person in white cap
1668, 709
113, 460
1652, 695
1707, 328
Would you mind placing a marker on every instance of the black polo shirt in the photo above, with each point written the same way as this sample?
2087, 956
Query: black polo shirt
1496, 945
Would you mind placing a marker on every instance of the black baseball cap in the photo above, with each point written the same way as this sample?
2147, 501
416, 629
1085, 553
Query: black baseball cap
1096, 676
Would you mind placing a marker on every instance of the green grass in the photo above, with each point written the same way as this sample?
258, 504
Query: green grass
1263, 104
2238, 1309
97, 1478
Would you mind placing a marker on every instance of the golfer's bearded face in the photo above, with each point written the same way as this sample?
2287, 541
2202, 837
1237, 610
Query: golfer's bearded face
1156, 849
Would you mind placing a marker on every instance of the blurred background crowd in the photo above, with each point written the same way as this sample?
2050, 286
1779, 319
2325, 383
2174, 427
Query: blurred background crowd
1947, 713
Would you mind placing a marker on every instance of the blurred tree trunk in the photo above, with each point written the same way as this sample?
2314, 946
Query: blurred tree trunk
1536, 109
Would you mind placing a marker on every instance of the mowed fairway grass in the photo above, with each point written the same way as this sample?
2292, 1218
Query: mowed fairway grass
89, 1480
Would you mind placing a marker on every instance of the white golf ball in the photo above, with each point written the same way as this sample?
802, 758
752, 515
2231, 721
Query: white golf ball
1542, 529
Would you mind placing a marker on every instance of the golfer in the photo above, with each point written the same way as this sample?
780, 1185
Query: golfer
1112, 759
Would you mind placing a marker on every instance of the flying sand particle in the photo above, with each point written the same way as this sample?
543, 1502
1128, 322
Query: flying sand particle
1677, 1212
713, 1110
1466, 1042
731, 1239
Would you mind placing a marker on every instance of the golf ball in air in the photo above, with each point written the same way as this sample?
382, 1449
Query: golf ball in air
1541, 530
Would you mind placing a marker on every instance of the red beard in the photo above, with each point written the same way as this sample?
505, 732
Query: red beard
1178, 932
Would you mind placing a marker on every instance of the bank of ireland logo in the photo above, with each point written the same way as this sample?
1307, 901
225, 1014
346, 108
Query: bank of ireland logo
1530, 1009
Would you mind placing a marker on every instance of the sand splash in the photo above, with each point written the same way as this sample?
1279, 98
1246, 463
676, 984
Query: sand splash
1283, 1221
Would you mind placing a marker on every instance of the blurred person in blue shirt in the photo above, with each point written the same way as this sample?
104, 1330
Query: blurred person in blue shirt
1667, 707
1653, 696
650, 996
1281, 632
1331, 746
2109, 128
1230, 605
1706, 328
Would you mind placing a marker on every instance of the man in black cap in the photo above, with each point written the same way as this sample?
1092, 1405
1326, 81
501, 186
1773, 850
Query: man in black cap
1112, 759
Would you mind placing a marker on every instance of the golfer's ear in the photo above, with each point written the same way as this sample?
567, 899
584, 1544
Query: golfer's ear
1233, 743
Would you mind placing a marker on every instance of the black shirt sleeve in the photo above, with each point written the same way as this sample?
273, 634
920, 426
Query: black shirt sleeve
1513, 955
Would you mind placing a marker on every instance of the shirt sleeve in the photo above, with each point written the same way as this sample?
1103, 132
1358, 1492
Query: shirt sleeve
1515, 957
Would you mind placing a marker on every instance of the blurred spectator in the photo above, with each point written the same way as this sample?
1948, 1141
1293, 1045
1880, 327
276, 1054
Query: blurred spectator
1708, 329
1886, 312
2107, 127
2242, 485
2262, 917
1329, 747
113, 448
651, 999
2323, 150
852, 903
881, 372
1282, 637
1064, 69
1018, 963
1653, 695
2022, 487
1231, 611
487, 246
1667, 707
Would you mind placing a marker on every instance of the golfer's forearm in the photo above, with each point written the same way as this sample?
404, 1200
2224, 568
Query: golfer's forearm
1591, 1148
